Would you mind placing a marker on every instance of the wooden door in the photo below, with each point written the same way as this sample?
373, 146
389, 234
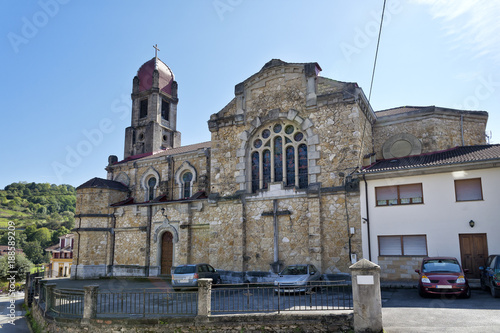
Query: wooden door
473, 252
166, 252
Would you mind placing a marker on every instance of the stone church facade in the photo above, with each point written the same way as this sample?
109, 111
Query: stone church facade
277, 184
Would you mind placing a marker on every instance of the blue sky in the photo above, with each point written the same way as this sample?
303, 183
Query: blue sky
67, 65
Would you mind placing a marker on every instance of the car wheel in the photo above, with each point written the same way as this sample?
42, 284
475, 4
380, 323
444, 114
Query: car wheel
483, 285
421, 292
468, 293
494, 291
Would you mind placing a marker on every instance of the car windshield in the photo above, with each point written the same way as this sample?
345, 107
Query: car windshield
185, 269
441, 265
294, 270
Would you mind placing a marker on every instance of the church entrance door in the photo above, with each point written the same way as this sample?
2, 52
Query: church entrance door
166, 252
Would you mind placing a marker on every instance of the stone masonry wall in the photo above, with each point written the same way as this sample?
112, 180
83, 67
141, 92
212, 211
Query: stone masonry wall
340, 321
397, 268
435, 131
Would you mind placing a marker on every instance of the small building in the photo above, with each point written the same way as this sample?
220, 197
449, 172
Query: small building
4, 250
443, 203
62, 257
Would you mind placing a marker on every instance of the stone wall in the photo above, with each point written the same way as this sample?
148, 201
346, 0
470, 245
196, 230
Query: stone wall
436, 129
233, 235
340, 321
399, 268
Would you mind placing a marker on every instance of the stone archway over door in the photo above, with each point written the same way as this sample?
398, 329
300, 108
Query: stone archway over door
167, 249
473, 252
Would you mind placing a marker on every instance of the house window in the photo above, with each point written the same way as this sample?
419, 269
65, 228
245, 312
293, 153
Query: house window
143, 108
165, 109
407, 245
399, 195
468, 189
151, 188
186, 183
278, 153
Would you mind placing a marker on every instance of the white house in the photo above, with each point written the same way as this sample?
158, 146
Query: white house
439, 204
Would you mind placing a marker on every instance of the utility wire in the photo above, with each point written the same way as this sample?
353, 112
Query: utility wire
376, 51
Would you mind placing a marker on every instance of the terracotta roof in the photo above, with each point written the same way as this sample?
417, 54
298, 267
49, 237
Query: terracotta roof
103, 183
455, 155
4, 249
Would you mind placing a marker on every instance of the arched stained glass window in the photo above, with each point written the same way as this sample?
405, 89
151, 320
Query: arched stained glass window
270, 162
290, 166
266, 168
255, 171
278, 159
302, 166
151, 188
186, 183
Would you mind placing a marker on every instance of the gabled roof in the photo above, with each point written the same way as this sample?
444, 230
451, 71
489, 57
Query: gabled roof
455, 155
103, 183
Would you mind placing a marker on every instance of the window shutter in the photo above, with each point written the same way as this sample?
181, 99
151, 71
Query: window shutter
414, 246
390, 246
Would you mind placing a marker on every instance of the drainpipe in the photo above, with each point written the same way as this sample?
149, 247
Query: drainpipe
78, 249
347, 218
148, 239
112, 236
367, 220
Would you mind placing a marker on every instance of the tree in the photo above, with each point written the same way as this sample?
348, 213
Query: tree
43, 235
59, 232
34, 252
21, 264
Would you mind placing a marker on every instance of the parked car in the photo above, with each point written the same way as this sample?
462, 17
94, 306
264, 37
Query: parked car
187, 276
296, 278
490, 275
442, 276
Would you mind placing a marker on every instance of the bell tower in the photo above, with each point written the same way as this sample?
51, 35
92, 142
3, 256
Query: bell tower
154, 110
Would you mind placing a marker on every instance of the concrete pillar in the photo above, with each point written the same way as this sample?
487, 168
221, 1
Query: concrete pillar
89, 303
366, 297
204, 297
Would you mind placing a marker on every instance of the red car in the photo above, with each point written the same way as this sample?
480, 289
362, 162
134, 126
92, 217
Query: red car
442, 276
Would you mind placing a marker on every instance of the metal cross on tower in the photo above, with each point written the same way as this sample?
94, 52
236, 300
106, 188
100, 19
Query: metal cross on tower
156, 50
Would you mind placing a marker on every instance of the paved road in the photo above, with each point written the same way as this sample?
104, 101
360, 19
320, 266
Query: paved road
404, 311
19, 323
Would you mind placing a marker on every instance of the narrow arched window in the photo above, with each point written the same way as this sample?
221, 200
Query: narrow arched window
278, 153
255, 171
278, 159
186, 183
266, 168
151, 188
290, 166
303, 166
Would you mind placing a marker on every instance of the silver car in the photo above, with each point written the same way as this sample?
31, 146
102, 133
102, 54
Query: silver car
296, 278
186, 276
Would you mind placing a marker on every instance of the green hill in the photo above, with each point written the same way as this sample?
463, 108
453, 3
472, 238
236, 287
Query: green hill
40, 213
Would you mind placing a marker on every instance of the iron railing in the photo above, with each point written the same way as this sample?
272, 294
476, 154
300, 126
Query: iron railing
317, 296
67, 303
147, 302
225, 299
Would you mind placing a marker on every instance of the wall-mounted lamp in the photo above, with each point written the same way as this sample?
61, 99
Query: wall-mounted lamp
472, 223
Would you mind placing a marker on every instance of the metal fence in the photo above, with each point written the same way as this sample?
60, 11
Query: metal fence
67, 302
147, 302
318, 296
225, 299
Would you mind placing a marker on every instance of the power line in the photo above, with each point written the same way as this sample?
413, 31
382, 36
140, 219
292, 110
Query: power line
376, 51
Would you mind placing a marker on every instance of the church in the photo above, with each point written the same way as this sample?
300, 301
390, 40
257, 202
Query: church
277, 184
